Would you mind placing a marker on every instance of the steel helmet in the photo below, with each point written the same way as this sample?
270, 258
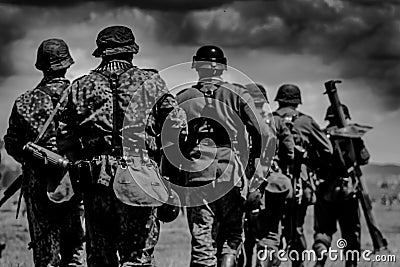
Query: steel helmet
289, 94
330, 115
52, 55
115, 40
257, 92
209, 56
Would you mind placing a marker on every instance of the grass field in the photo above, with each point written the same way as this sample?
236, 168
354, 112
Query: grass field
174, 245
173, 249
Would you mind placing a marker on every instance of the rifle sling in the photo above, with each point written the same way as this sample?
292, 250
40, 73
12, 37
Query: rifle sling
53, 113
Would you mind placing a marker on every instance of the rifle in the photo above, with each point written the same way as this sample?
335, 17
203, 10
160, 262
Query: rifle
353, 168
11, 190
298, 161
41, 155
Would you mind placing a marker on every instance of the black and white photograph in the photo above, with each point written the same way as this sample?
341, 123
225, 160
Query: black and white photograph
200, 133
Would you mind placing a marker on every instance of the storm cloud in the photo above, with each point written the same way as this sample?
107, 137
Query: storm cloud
361, 37
9, 31
170, 5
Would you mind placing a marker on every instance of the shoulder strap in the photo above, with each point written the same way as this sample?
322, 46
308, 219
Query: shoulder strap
116, 142
54, 96
53, 113
209, 95
48, 92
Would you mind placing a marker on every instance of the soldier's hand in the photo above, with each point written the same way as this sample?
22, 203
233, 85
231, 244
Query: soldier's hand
258, 176
253, 200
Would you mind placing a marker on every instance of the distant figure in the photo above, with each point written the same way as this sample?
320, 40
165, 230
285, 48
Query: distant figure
383, 184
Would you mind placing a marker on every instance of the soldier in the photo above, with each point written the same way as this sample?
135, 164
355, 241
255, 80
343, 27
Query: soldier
308, 135
263, 225
337, 201
218, 113
114, 227
55, 229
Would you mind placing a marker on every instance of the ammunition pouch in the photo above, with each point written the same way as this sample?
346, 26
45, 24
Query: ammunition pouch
339, 189
81, 175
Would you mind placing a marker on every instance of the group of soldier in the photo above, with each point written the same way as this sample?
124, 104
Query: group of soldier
216, 123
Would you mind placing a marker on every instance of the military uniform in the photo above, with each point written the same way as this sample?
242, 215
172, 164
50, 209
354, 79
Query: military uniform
319, 150
144, 104
337, 202
55, 229
262, 225
218, 113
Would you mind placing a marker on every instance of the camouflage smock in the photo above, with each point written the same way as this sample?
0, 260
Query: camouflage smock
144, 104
54, 228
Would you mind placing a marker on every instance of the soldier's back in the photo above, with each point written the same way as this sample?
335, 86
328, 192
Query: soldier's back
310, 134
226, 95
222, 108
30, 112
138, 92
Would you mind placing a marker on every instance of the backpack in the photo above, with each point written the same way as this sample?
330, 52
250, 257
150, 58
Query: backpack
290, 123
209, 124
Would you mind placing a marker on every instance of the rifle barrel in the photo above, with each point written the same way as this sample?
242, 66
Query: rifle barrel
11, 190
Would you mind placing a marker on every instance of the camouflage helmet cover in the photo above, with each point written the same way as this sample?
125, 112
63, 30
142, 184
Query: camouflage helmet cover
330, 114
289, 94
209, 56
115, 40
257, 92
52, 55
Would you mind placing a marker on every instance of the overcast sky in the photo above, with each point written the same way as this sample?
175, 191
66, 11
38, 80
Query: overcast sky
305, 42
